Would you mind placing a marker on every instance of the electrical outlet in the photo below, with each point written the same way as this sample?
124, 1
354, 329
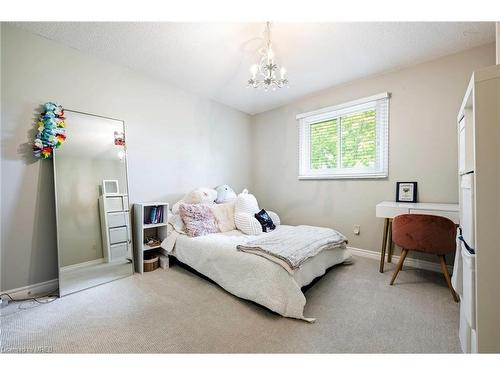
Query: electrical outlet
4, 301
356, 230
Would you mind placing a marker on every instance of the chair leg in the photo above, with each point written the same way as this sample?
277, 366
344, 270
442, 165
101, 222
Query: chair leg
391, 244
404, 252
384, 245
444, 268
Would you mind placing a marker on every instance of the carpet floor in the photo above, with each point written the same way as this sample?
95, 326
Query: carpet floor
176, 311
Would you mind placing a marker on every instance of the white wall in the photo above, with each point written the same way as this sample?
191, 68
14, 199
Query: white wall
423, 108
176, 141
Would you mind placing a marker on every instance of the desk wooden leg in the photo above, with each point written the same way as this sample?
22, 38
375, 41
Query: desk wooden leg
384, 245
391, 244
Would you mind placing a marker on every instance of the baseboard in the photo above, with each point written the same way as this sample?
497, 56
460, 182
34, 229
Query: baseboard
82, 265
411, 262
33, 289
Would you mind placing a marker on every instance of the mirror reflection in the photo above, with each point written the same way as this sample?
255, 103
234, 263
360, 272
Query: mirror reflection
93, 222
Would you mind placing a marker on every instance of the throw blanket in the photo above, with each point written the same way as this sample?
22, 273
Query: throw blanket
290, 247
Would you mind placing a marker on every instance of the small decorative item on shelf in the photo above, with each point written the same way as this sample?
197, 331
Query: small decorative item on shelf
51, 131
110, 187
406, 192
152, 242
151, 262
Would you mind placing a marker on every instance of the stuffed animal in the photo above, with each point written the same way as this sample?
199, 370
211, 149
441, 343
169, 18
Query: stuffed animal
200, 195
246, 207
224, 194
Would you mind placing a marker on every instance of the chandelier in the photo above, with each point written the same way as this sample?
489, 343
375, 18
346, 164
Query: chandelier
264, 73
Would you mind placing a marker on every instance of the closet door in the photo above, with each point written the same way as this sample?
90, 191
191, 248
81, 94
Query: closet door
466, 142
467, 208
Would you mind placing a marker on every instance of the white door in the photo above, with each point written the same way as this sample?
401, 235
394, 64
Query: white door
467, 208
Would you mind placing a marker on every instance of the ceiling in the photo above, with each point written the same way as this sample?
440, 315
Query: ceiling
213, 59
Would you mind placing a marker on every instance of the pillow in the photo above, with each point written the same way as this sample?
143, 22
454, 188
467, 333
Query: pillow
224, 194
274, 217
198, 219
176, 221
200, 195
265, 221
245, 208
224, 216
247, 223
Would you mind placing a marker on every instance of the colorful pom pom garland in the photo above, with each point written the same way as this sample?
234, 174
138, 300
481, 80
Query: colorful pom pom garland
51, 131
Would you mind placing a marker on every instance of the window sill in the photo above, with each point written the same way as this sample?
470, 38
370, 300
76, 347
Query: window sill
345, 177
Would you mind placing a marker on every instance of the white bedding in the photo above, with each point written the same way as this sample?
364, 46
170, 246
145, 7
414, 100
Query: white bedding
251, 276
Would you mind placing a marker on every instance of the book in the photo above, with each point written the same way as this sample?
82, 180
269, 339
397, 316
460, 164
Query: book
158, 213
152, 215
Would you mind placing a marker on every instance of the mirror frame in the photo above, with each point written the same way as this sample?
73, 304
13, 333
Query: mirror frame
57, 215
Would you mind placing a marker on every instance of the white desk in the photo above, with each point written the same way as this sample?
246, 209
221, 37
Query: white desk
389, 210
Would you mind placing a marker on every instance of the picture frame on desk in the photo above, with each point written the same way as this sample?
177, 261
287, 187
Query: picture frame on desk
406, 192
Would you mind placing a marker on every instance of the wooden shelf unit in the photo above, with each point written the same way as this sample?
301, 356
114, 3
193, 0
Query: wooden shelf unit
143, 229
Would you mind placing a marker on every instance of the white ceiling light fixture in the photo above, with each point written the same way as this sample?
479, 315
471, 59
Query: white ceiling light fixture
264, 73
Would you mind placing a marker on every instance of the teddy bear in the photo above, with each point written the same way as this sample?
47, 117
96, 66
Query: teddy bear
246, 206
224, 194
201, 195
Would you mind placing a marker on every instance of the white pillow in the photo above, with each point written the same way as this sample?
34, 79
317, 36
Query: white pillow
245, 208
274, 217
224, 216
247, 223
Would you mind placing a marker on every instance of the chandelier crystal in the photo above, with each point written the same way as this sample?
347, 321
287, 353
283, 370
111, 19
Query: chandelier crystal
263, 74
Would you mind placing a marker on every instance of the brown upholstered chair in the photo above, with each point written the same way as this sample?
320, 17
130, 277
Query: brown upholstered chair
428, 234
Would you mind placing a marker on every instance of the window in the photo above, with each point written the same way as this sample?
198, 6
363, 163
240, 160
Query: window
345, 141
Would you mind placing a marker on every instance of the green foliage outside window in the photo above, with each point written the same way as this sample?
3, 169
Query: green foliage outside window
324, 144
357, 144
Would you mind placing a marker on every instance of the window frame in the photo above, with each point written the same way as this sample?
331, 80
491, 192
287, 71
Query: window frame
381, 170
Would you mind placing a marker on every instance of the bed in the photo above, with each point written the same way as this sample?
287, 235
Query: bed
250, 276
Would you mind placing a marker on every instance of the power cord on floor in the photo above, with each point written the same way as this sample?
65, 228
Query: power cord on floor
36, 299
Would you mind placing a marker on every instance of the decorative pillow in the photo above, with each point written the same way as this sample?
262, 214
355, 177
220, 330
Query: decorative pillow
198, 219
224, 216
265, 221
247, 223
200, 195
274, 217
224, 194
245, 208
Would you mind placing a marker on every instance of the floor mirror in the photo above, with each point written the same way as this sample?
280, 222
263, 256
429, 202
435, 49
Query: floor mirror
92, 206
